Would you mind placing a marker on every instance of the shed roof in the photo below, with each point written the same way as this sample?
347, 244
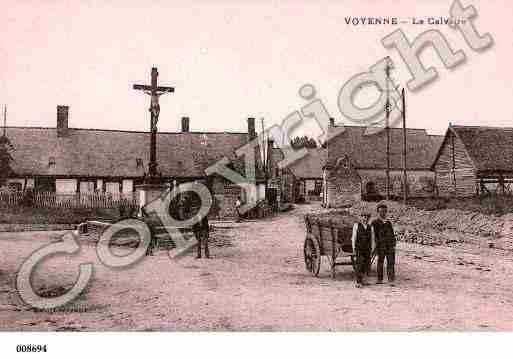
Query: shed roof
489, 148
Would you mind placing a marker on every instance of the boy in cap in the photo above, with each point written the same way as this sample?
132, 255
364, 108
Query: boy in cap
362, 245
384, 238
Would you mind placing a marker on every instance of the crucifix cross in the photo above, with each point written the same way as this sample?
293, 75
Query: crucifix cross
155, 92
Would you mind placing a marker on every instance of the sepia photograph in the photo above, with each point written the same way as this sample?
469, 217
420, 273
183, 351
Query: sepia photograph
277, 175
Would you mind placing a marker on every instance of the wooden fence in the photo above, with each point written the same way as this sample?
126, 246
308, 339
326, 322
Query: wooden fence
68, 200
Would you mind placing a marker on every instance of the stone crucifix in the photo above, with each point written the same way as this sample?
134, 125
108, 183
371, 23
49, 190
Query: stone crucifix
155, 92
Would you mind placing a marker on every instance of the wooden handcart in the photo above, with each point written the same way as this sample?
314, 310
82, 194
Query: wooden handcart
331, 238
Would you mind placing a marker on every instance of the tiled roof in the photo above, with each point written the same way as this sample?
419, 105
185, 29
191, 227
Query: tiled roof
98, 153
437, 140
489, 148
369, 150
311, 165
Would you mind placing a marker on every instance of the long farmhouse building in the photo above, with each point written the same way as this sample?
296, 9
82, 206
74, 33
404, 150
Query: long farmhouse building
74, 160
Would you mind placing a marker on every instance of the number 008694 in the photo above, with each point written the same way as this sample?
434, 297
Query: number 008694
31, 348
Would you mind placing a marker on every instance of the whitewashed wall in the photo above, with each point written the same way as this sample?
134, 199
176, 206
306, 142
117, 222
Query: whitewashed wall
261, 191
87, 186
128, 186
112, 187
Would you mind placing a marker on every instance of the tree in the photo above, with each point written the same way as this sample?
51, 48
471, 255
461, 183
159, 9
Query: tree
303, 142
5, 159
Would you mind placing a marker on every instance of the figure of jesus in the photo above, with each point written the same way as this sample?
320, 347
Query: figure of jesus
155, 111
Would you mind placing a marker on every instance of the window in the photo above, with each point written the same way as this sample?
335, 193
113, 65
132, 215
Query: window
138, 162
45, 184
204, 140
370, 188
51, 161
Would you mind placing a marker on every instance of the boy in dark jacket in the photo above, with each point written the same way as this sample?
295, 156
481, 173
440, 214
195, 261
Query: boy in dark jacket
362, 245
385, 243
202, 231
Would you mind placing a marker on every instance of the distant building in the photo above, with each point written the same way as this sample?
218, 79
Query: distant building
474, 160
308, 173
354, 155
301, 180
73, 160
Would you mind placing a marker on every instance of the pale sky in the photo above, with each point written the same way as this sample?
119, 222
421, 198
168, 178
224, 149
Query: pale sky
232, 59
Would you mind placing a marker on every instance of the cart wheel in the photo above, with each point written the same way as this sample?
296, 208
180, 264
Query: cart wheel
353, 262
312, 254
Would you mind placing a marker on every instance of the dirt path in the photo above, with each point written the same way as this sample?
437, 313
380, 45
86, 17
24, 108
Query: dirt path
259, 282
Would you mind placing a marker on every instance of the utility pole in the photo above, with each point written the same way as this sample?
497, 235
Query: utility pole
265, 151
5, 120
405, 176
387, 109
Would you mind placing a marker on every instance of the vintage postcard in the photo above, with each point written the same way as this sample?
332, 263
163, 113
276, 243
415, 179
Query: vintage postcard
254, 166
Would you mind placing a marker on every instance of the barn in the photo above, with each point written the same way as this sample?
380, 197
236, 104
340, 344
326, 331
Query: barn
474, 160
299, 181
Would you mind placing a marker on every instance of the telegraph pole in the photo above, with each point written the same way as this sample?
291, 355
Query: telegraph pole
405, 176
387, 109
5, 120
265, 154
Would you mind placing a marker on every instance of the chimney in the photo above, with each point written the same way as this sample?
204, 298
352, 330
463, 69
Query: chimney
332, 122
185, 124
251, 128
62, 121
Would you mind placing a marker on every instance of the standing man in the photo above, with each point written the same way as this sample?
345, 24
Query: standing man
151, 221
202, 232
384, 238
361, 239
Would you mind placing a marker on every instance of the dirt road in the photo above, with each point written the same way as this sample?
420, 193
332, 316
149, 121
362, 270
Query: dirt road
257, 281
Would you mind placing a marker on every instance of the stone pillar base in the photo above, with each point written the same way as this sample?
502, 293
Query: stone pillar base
147, 193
